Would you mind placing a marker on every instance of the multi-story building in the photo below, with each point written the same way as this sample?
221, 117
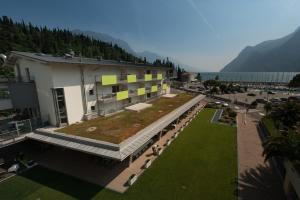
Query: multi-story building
71, 89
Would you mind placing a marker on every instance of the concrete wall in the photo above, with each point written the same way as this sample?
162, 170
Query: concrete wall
23, 95
42, 75
5, 104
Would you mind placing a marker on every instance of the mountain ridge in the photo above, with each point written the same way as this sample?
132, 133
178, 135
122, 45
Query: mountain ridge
271, 55
151, 56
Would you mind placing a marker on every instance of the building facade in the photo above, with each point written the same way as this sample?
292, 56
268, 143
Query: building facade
72, 89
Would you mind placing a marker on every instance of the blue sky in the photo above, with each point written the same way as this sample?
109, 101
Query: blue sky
205, 34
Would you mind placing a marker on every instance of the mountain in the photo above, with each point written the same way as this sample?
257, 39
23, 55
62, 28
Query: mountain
151, 57
270, 56
105, 38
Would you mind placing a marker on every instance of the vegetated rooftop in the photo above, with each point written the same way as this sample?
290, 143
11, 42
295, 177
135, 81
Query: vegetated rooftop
121, 126
200, 164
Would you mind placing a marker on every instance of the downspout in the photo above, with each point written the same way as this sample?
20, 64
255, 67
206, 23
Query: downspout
84, 100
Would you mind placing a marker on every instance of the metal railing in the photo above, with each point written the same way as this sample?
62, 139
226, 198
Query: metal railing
15, 129
123, 78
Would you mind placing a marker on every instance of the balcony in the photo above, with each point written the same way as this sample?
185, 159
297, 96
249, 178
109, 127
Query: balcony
141, 91
130, 78
148, 77
165, 86
122, 95
154, 88
113, 97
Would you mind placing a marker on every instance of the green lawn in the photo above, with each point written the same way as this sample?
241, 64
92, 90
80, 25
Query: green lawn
200, 164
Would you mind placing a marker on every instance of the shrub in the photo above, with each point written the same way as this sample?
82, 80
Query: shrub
253, 104
232, 114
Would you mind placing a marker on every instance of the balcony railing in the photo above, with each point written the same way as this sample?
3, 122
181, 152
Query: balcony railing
130, 78
118, 96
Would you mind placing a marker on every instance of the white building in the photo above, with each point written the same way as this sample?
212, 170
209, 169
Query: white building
72, 89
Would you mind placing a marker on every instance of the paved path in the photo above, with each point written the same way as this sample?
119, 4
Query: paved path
257, 180
217, 116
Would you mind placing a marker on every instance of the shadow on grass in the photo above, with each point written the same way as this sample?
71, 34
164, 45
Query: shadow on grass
68, 185
260, 183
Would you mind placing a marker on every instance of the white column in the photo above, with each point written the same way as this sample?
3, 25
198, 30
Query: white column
130, 160
160, 134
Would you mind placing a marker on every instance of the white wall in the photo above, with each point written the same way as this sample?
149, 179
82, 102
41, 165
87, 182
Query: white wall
69, 78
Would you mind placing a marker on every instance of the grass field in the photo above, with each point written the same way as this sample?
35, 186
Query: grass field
121, 126
200, 164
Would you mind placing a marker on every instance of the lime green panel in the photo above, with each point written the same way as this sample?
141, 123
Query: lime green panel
154, 88
159, 76
122, 95
141, 91
148, 77
131, 78
165, 86
109, 79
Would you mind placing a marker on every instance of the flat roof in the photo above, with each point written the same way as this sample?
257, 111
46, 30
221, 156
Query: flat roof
79, 60
114, 151
118, 127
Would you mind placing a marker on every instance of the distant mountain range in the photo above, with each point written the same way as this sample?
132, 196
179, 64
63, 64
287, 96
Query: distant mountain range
270, 56
124, 45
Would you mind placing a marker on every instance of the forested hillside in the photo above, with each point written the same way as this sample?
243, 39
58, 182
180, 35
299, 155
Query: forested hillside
20, 36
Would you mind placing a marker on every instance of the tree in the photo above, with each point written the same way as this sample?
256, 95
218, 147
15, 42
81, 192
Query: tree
286, 146
295, 82
268, 107
287, 114
6, 72
210, 83
180, 71
223, 88
217, 78
253, 105
214, 90
198, 77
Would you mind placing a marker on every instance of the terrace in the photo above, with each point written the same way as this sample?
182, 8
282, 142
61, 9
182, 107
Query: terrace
119, 127
122, 135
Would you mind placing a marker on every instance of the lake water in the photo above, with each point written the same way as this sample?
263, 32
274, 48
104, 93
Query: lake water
267, 77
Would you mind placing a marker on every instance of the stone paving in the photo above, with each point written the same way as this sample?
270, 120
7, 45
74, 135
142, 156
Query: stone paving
257, 179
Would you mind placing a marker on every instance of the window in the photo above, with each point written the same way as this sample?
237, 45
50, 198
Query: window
115, 89
91, 92
148, 95
93, 108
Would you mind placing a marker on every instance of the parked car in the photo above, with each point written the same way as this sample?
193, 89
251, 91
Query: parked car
251, 94
271, 92
261, 101
283, 99
275, 100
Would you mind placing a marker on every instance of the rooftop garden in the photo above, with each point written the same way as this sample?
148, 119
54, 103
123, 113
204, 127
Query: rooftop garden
200, 164
121, 126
